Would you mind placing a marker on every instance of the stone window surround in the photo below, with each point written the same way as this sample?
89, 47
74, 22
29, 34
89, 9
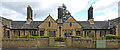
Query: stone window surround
42, 32
32, 32
17, 32
54, 33
68, 33
102, 33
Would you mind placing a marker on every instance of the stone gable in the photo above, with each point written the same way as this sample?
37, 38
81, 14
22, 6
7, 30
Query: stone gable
66, 24
1, 30
70, 19
45, 24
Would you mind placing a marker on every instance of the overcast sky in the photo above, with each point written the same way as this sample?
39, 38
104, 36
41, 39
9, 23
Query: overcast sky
16, 9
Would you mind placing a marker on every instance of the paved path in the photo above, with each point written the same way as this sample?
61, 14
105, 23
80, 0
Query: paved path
60, 48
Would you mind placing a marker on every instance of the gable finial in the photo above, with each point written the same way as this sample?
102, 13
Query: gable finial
49, 15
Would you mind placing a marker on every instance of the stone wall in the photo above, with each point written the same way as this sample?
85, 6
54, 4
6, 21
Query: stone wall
83, 43
119, 44
89, 43
25, 43
118, 30
1, 30
51, 41
112, 44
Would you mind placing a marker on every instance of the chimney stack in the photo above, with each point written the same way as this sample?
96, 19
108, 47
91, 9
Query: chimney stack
29, 14
90, 15
60, 11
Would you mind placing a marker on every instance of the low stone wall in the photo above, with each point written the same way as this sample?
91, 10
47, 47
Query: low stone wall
119, 44
112, 44
69, 41
49, 42
89, 43
0, 43
25, 43
83, 43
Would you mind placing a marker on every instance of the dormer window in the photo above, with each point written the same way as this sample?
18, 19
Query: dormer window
49, 24
70, 24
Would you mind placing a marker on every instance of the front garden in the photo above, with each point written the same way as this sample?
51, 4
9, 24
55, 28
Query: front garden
61, 39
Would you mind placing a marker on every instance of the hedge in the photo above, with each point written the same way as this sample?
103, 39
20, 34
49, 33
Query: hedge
110, 36
26, 36
60, 39
76, 36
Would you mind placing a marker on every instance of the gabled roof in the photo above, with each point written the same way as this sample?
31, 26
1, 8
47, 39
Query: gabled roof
84, 24
69, 17
5, 21
96, 25
23, 25
49, 16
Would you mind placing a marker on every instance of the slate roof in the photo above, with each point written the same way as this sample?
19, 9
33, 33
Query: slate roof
84, 24
114, 22
23, 25
96, 25
5, 21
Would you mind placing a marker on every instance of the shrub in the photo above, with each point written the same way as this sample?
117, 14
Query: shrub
60, 39
24, 36
92, 34
16, 36
35, 34
32, 36
110, 36
27, 36
73, 36
39, 36
64, 38
43, 36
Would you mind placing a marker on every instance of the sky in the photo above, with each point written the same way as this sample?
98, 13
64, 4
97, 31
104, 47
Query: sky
17, 9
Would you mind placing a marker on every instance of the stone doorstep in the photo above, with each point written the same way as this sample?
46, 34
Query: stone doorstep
60, 44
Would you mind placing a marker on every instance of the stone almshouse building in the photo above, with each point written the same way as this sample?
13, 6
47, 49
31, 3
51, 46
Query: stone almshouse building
59, 28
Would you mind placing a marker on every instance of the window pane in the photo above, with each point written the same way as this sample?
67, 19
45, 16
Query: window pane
41, 33
67, 33
17, 33
52, 34
78, 33
102, 33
